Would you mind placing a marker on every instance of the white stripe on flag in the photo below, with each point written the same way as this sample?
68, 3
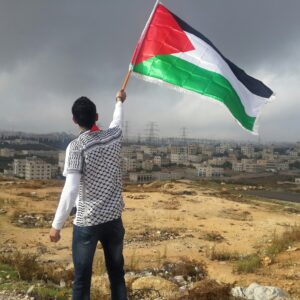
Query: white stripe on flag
204, 56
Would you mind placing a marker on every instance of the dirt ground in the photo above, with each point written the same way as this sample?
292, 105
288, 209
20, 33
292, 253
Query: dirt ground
164, 221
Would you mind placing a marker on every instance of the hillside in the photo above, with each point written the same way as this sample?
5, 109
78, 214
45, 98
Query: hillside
233, 239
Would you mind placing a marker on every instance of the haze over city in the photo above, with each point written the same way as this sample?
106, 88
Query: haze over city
52, 52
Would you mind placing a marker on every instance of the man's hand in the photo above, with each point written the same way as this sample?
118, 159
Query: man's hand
121, 96
54, 235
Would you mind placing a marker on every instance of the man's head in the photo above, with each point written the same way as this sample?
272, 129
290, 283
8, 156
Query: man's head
84, 112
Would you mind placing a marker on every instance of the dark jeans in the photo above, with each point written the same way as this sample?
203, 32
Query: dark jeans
85, 239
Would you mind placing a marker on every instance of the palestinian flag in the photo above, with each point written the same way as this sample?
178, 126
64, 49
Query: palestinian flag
170, 51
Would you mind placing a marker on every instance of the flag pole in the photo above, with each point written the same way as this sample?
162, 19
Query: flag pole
125, 82
126, 79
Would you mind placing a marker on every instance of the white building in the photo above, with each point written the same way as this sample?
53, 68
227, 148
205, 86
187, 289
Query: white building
179, 158
283, 166
210, 171
140, 177
252, 167
277, 165
6, 152
293, 153
179, 149
193, 149
147, 165
128, 164
268, 154
209, 151
166, 175
150, 150
139, 155
127, 151
37, 169
217, 161
248, 150
223, 148
237, 166
157, 160
195, 158
19, 167
33, 168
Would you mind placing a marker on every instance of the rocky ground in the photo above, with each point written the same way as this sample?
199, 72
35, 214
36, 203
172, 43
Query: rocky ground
175, 235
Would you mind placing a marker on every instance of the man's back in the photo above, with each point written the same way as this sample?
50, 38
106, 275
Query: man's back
96, 155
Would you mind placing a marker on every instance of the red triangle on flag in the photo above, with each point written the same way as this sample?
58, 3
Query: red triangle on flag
163, 36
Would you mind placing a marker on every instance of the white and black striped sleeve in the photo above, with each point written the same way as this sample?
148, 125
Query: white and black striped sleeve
74, 158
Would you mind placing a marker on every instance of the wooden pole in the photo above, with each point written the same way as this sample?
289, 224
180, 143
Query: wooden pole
125, 82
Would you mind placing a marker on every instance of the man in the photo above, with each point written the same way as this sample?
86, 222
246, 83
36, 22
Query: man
93, 181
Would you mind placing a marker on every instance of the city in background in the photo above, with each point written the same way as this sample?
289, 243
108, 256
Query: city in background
147, 158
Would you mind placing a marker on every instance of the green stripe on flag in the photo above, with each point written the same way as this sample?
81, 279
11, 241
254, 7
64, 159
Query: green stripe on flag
188, 76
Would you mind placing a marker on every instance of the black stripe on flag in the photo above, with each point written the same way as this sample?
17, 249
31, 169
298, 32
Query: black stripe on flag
254, 85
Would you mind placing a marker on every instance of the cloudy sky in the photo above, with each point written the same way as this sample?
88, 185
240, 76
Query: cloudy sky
53, 51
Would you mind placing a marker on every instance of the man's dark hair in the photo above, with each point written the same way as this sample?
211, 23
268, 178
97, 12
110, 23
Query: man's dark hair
84, 112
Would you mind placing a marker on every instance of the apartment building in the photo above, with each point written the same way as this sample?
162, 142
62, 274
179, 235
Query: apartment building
237, 166
194, 158
248, 150
147, 165
193, 149
129, 164
140, 177
223, 148
128, 151
37, 169
209, 171
217, 161
6, 152
18, 166
32, 168
157, 160
179, 158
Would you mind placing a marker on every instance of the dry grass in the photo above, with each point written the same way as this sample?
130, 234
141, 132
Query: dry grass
96, 294
29, 269
222, 254
25, 219
213, 236
248, 264
180, 192
187, 268
282, 242
7, 202
236, 214
134, 262
208, 290
171, 204
141, 188
50, 293
25, 264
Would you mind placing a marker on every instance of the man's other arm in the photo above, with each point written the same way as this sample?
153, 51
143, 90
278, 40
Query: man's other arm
67, 199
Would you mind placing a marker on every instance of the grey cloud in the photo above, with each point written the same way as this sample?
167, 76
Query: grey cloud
53, 51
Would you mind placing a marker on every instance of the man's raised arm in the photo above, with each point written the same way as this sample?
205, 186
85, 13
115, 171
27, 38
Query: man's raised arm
118, 113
